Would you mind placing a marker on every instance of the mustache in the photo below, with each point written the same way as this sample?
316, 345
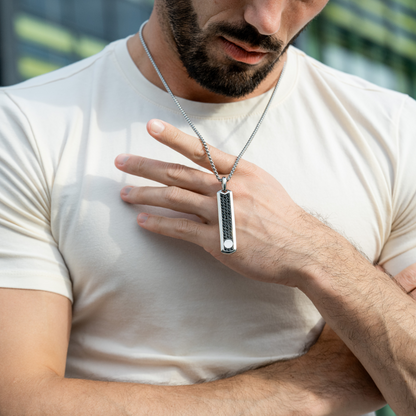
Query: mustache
249, 35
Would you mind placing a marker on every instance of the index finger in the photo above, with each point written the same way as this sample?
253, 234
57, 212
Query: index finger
190, 147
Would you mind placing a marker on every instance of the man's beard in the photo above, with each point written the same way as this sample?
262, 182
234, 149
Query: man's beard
235, 79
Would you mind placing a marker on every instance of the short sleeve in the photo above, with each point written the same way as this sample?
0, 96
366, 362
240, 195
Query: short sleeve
29, 255
399, 251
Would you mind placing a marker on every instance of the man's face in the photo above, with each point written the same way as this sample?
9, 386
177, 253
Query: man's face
230, 46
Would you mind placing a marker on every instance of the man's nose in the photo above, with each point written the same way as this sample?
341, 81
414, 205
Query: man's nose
265, 15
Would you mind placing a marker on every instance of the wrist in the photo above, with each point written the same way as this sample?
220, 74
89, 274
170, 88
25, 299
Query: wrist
333, 263
279, 386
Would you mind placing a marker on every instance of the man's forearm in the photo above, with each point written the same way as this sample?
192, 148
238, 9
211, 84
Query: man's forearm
377, 321
328, 380
253, 393
368, 311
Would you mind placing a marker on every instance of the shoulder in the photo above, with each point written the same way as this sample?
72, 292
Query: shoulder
352, 91
65, 84
50, 104
45, 113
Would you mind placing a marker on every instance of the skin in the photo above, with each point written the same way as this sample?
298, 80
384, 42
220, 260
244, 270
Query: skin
329, 379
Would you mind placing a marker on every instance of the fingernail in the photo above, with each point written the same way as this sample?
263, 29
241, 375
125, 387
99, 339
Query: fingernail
126, 191
122, 159
142, 218
157, 127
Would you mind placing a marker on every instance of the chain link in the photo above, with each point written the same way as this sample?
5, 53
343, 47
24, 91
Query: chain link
191, 124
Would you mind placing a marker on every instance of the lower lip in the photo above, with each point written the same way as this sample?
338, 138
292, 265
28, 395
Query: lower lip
240, 54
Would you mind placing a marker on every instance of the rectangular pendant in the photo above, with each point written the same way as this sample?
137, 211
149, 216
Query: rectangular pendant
226, 221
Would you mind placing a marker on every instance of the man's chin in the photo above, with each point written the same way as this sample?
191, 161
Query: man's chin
236, 90
237, 81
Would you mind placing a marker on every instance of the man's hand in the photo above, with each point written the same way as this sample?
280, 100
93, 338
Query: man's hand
278, 242
276, 238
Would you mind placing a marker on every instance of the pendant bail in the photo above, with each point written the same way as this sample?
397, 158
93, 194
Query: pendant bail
224, 184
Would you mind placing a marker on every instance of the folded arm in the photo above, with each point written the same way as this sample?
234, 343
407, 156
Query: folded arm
35, 327
280, 243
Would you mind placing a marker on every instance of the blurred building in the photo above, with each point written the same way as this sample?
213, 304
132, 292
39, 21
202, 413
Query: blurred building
374, 39
38, 36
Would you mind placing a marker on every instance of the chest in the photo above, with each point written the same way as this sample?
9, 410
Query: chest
329, 173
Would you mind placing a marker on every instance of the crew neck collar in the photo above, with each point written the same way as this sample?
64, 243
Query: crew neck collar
161, 98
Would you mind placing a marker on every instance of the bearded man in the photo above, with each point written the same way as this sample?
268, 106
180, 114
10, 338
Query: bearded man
172, 314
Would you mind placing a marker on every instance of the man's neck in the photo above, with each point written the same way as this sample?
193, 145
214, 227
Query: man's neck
175, 74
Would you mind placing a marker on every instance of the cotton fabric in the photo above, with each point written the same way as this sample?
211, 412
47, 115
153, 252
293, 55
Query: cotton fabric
150, 309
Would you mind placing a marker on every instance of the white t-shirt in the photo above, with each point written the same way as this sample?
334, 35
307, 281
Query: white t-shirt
151, 309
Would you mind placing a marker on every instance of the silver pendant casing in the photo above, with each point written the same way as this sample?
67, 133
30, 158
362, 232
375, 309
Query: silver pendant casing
226, 222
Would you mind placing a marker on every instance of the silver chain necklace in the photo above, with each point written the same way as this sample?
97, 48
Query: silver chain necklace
226, 216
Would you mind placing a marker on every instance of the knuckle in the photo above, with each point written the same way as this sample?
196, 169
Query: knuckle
249, 169
138, 193
140, 166
199, 152
172, 194
407, 278
210, 183
240, 190
182, 226
157, 223
186, 227
174, 171
174, 135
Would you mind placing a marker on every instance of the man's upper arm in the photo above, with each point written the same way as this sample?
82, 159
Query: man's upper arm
29, 254
34, 336
399, 251
35, 287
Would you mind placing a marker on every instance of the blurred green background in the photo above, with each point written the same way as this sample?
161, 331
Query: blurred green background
386, 411
374, 39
